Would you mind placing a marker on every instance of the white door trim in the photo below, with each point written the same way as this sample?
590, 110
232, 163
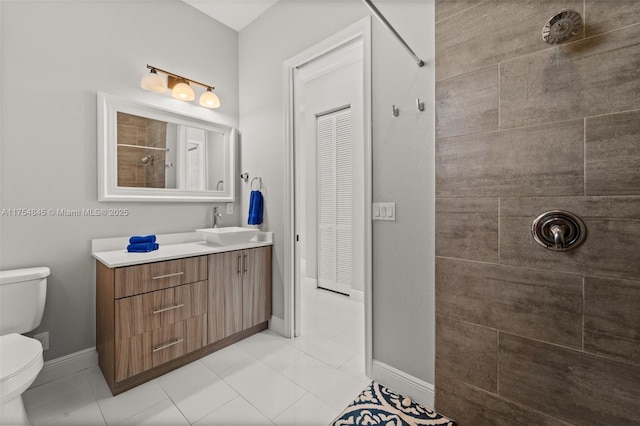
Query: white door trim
360, 29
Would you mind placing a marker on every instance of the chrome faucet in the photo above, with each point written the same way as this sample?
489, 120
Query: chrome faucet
216, 217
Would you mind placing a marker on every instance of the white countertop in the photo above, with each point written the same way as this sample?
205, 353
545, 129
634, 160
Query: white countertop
172, 246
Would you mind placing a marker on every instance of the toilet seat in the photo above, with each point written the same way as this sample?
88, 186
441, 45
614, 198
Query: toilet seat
21, 362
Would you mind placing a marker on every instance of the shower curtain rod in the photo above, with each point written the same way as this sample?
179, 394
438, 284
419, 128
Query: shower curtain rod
386, 23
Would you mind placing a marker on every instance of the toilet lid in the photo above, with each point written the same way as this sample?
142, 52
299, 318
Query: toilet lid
17, 353
26, 274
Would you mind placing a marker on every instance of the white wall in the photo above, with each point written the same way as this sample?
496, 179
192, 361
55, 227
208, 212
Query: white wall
55, 56
216, 157
316, 95
403, 158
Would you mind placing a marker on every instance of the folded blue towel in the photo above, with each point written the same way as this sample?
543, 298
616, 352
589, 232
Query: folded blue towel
142, 247
255, 208
141, 239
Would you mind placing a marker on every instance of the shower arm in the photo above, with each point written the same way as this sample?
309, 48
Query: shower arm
387, 24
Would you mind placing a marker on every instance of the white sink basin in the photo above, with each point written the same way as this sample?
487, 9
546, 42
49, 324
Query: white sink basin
227, 236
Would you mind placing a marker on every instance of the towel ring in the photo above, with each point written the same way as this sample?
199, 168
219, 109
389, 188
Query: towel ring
259, 179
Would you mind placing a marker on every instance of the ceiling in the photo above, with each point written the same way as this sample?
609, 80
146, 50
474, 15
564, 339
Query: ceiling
234, 13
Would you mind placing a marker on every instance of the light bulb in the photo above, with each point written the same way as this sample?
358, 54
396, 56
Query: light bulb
209, 99
153, 82
183, 91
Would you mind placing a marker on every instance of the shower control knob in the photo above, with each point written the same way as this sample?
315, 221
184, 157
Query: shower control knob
558, 230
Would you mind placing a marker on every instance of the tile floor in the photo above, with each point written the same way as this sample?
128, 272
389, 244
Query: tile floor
263, 380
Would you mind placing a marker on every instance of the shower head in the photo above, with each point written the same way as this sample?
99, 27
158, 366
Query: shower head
147, 158
561, 26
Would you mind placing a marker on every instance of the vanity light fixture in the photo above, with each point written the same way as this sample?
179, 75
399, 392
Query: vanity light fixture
153, 82
209, 99
182, 91
180, 87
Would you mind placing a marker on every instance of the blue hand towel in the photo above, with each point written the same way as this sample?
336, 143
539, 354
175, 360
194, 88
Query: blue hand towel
142, 247
141, 239
255, 208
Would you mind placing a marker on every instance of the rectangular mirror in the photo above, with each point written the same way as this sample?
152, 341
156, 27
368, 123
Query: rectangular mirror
147, 153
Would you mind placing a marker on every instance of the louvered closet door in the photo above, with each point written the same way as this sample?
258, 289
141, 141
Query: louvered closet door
335, 194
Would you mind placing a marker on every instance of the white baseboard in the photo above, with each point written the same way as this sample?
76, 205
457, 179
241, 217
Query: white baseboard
66, 365
310, 282
357, 295
406, 385
277, 325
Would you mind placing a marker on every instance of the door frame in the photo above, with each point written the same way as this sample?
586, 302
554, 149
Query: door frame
360, 29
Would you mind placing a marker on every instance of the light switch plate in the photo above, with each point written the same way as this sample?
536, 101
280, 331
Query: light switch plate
229, 208
384, 211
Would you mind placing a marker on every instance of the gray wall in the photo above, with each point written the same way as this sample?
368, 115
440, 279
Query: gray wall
55, 56
403, 251
525, 335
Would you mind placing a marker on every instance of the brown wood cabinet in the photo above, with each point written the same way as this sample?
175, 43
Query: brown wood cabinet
159, 326
239, 291
256, 286
155, 317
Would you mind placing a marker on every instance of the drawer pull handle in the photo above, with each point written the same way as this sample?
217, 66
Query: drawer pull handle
168, 309
168, 345
167, 276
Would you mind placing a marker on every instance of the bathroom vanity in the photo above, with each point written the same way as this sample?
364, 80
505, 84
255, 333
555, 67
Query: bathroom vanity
160, 310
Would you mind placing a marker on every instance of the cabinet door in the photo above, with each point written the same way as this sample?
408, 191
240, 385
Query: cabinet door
256, 300
225, 295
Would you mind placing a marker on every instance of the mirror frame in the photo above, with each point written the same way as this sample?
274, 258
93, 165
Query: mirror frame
108, 190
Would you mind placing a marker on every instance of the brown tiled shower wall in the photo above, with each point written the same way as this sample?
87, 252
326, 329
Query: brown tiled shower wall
525, 335
140, 131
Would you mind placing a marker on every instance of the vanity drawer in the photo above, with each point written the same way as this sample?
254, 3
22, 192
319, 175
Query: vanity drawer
132, 280
178, 339
156, 347
139, 314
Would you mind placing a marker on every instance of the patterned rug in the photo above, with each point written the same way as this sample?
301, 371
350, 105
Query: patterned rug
378, 405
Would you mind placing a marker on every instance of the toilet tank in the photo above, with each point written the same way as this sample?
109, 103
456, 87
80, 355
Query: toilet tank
23, 293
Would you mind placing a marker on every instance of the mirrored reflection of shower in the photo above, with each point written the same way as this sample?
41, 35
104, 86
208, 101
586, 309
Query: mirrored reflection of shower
152, 154
147, 159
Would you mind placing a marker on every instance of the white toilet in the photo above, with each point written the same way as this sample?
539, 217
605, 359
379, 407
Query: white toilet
22, 296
